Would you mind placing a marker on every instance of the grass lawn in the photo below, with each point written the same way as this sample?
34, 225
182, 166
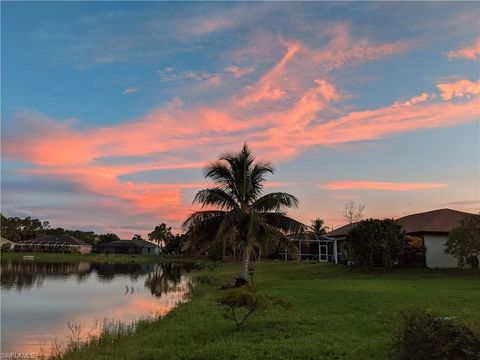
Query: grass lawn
337, 313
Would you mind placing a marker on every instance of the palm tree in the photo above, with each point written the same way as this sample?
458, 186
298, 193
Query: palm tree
241, 211
317, 228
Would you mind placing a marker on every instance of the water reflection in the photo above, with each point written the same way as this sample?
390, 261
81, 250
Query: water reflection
39, 300
159, 278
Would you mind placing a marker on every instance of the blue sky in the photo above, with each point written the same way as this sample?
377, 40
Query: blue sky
110, 110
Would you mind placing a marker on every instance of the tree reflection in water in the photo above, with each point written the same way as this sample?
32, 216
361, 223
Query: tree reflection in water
160, 278
166, 277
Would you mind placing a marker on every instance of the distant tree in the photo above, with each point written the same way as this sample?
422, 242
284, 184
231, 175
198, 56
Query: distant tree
105, 238
353, 212
86, 236
137, 237
162, 234
55, 231
9, 229
173, 245
317, 228
17, 229
464, 241
375, 242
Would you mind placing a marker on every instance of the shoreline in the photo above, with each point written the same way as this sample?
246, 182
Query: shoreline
99, 258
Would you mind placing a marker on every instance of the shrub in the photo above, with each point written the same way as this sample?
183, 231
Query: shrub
240, 303
464, 241
429, 336
7, 247
375, 242
208, 279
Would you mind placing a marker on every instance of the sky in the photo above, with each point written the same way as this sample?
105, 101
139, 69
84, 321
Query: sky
111, 110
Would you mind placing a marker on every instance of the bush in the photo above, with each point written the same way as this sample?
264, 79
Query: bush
7, 247
240, 303
464, 241
208, 279
375, 242
429, 336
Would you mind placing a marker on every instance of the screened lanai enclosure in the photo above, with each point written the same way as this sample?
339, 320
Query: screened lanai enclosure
54, 243
322, 249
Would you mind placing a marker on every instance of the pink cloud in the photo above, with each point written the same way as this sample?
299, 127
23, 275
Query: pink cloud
458, 89
202, 133
343, 50
471, 52
237, 71
269, 87
379, 185
293, 72
280, 115
415, 100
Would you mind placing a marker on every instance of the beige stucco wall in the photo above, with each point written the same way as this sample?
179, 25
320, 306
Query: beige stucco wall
153, 250
434, 254
85, 249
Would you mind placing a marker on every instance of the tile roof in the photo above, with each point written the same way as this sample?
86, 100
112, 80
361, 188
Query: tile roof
442, 221
435, 221
341, 231
136, 243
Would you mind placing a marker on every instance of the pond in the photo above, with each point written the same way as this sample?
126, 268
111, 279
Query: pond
44, 304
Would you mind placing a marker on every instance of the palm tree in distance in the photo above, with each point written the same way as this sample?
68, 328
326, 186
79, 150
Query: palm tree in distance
317, 228
241, 211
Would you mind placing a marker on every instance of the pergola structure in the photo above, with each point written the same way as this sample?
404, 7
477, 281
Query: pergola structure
319, 248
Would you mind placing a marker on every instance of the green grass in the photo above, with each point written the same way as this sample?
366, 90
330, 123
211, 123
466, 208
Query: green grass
337, 313
118, 258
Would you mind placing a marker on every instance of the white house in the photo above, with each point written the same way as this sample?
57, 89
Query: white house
433, 227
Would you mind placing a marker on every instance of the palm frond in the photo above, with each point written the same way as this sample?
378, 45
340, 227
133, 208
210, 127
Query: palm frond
215, 196
257, 178
281, 221
230, 223
205, 219
221, 173
275, 202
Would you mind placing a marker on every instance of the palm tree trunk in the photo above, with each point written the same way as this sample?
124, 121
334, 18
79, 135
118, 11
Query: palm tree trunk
243, 277
223, 249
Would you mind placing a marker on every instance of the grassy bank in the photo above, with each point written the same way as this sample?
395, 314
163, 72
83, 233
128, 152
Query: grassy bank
118, 258
338, 313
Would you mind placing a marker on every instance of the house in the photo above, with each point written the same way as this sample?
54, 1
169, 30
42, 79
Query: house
432, 227
54, 243
7, 243
128, 247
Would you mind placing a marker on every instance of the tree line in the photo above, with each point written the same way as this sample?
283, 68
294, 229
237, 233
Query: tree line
20, 229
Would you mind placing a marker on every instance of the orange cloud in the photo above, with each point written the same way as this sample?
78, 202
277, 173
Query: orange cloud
195, 136
471, 52
459, 88
379, 185
343, 50
393, 119
293, 72
282, 114
269, 87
